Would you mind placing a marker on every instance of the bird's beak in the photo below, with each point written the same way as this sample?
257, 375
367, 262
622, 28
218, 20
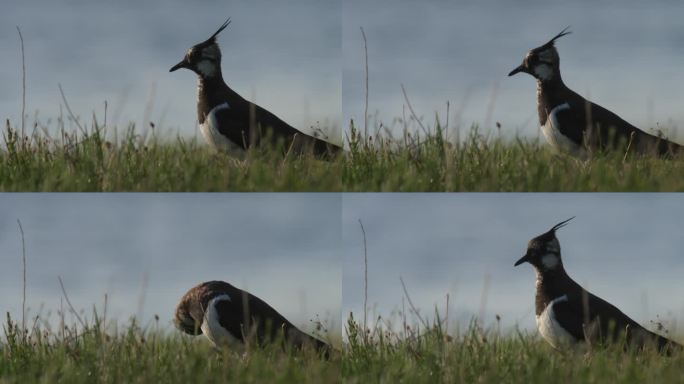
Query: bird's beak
522, 260
520, 68
182, 64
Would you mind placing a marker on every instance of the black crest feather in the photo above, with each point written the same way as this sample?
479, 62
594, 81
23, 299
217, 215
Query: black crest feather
561, 34
560, 225
223, 26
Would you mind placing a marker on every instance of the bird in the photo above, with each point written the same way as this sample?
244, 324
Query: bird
574, 125
233, 124
567, 314
233, 318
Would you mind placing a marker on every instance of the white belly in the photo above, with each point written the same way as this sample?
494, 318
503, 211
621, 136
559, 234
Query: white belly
212, 329
554, 137
550, 329
212, 135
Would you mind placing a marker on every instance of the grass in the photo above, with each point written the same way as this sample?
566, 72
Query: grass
485, 164
88, 353
415, 354
86, 160
409, 347
426, 354
93, 348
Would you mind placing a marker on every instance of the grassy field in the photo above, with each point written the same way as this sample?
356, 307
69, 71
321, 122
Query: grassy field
415, 355
428, 355
86, 161
486, 164
78, 354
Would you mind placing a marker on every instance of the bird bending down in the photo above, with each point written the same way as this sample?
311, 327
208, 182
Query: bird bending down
567, 314
231, 317
573, 124
230, 123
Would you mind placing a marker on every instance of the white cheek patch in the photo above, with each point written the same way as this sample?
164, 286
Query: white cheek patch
543, 72
206, 68
550, 261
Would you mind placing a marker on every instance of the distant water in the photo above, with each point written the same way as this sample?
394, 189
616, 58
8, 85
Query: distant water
626, 248
626, 56
283, 55
145, 251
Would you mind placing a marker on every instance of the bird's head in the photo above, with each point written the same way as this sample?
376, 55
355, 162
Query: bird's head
543, 252
204, 58
542, 62
189, 314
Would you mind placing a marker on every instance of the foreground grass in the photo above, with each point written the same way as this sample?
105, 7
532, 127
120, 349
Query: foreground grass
415, 354
85, 161
477, 356
482, 164
88, 355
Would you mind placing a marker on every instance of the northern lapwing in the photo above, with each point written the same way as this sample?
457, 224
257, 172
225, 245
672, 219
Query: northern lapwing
573, 124
230, 317
567, 314
229, 122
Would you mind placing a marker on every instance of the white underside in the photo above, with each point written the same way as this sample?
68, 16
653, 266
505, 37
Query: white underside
554, 136
212, 135
549, 327
212, 329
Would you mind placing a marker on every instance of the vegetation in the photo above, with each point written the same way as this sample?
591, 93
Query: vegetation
91, 160
86, 160
480, 163
424, 353
415, 354
88, 353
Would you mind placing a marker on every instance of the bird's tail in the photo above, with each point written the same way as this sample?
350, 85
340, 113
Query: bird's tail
325, 150
301, 340
320, 346
656, 145
668, 346
647, 339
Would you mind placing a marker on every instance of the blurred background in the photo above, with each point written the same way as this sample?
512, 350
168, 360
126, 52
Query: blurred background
304, 60
285, 56
146, 250
303, 253
624, 56
626, 248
